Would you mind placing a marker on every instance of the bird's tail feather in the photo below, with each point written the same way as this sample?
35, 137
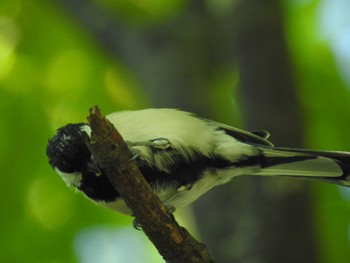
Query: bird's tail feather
327, 166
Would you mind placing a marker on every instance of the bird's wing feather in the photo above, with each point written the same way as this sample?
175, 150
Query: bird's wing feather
255, 137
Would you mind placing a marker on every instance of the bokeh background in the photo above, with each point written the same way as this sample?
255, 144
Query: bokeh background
282, 66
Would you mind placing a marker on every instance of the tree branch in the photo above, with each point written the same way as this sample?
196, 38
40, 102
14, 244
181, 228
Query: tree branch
111, 153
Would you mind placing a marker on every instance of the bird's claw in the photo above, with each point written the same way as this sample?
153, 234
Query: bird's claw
136, 224
160, 143
171, 209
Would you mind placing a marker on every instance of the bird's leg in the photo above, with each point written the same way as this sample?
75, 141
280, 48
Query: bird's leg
137, 225
158, 144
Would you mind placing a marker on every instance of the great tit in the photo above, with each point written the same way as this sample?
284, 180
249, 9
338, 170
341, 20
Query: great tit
183, 156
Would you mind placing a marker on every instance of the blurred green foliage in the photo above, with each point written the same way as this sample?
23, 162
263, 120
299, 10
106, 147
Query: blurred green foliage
144, 12
52, 72
324, 96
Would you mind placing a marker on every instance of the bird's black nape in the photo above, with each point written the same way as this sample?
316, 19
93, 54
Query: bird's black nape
67, 150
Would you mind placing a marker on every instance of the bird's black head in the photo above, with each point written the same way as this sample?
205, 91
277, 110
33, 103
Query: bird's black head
67, 151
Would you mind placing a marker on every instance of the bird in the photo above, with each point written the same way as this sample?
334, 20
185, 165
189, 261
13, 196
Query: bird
182, 156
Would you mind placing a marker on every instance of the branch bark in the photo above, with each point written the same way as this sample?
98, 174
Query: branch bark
111, 153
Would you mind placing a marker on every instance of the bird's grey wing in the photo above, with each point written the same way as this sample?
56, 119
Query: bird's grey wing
254, 137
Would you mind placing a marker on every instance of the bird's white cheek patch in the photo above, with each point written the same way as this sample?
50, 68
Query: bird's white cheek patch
87, 129
71, 179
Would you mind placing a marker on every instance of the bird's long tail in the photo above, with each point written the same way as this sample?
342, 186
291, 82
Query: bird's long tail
327, 166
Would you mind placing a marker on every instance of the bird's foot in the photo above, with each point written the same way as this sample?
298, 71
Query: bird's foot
158, 144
